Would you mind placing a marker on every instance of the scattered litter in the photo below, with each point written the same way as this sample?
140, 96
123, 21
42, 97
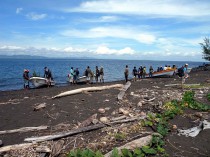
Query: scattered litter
107, 100
40, 106
192, 132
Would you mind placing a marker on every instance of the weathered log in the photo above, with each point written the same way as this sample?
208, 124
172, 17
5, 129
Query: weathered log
43, 149
118, 118
25, 129
122, 92
169, 85
64, 134
15, 147
88, 89
79, 130
138, 143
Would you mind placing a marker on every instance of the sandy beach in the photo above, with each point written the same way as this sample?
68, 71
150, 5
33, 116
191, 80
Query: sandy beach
66, 113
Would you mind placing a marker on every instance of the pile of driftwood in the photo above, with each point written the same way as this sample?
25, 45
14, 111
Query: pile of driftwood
40, 146
51, 145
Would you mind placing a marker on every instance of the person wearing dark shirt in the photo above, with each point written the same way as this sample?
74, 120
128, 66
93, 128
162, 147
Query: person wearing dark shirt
48, 76
150, 71
126, 72
97, 73
134, 73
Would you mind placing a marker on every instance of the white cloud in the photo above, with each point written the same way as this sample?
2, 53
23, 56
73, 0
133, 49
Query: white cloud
34, 16
146, 38
107, 51
11, 48
114, 32
108, 18
19, 10
75, 50
160, 8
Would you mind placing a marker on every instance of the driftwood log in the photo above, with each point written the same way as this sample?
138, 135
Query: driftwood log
25, 129
79, 130
122, 92
138, 143
15, 147
88, 89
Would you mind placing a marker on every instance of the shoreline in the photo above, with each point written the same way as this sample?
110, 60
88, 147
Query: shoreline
14, 81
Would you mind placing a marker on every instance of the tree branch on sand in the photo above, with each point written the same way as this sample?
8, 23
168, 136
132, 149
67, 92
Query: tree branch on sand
125, 88
79, 130
24, 129
87, 89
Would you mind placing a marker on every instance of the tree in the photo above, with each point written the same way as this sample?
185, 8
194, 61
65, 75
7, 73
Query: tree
206, 48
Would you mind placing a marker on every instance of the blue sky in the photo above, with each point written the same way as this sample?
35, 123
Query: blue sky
118, 29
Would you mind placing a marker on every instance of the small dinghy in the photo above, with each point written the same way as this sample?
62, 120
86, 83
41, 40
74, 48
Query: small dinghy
40, 82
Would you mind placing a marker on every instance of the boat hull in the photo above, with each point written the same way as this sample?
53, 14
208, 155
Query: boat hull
164, 73
40, 82
82, 79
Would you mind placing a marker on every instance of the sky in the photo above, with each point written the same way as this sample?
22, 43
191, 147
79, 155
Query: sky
106, 29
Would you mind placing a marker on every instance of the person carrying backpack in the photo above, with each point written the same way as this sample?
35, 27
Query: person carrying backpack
182, 73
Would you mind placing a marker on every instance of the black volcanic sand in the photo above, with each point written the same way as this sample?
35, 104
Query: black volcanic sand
17, 110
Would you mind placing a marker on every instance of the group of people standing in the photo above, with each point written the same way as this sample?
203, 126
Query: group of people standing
140, 73
26, 77
98, 74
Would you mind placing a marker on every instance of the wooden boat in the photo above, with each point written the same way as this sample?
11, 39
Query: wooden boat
188, 70
82, 79
163, 73
40, 82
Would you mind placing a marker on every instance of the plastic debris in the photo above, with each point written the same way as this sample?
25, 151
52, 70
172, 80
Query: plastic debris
192, 132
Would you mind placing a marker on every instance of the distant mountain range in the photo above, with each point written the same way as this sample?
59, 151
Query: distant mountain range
38, 57
21, 57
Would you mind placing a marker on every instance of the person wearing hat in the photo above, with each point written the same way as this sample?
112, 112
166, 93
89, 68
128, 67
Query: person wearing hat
101, 72
26, 78
185, 71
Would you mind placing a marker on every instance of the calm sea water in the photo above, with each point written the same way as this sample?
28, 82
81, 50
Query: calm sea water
11, 70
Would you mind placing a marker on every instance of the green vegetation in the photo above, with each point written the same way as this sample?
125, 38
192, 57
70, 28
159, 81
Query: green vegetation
84, 153
206, 48
189, 101
170, 110
208, 96
120, 136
